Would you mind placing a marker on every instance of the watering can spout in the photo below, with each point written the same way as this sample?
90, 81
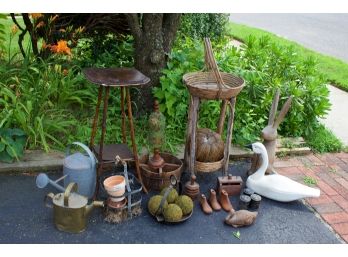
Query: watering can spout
91, 206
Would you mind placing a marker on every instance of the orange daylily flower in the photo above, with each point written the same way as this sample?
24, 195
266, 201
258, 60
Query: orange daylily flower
36, 15
61, 48
14, 29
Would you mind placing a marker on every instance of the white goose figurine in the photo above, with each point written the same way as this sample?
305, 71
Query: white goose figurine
275, 186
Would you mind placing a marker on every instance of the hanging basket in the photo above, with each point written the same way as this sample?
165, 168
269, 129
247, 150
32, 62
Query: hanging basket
212, 84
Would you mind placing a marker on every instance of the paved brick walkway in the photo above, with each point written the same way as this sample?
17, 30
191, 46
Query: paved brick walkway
331, 174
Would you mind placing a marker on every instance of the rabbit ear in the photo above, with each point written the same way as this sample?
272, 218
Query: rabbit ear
274, 107
283, 112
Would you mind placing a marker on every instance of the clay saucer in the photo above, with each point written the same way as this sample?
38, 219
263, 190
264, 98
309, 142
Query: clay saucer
116, 205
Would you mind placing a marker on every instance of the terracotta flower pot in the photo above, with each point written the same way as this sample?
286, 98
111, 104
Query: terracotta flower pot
116, 187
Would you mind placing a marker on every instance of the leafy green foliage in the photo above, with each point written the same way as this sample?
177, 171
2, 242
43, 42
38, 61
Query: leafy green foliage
107, 51
265, 67
309, 181
200, 25
42, 100
322, 140
2, 34
12, 142
236, 234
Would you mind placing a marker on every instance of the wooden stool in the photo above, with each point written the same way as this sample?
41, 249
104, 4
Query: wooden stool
123, 78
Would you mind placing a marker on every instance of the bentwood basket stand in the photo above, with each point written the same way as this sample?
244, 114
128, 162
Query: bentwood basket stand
210, 84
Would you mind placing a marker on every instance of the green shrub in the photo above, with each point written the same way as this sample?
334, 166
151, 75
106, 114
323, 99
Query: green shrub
200, 25
265, 67
106, 51
322, 140
12, 143
2, 35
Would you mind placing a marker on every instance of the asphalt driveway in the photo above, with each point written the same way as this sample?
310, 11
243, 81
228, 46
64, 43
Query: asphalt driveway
25, 219
324, 33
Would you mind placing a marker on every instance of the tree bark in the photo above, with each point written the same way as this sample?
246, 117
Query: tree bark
154, 35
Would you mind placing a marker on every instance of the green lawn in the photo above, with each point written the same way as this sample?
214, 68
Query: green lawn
11, 41
336, 71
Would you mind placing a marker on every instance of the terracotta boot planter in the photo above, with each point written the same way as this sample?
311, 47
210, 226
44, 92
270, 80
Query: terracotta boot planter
205, 205
225, 201
213, 201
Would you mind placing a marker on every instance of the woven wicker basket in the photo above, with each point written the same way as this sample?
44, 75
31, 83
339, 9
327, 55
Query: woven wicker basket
208, 166
211, 83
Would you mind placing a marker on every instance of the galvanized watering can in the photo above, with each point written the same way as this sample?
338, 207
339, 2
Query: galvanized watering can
80, 169
70, 210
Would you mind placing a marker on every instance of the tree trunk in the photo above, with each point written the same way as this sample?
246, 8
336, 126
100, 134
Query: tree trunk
154, 35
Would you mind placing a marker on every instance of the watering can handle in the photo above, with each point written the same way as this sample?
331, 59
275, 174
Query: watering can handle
72, 187
90, 154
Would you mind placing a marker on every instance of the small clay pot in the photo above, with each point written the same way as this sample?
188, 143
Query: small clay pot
255, 201
116, 187
244, 201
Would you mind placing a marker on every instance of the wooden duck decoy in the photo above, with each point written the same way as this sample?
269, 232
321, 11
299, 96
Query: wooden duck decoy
240, 218
275, 186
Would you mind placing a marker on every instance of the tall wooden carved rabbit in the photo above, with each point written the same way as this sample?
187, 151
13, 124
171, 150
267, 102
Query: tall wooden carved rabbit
269, 134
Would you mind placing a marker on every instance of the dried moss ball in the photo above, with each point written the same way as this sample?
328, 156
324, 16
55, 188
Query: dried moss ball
185, 203
154, 203
172, 195
172, 213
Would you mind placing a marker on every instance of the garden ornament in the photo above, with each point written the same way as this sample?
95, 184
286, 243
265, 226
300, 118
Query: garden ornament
213, 201
81, 169
231, 184
70, 210
240, 218
275, 186
225, 201
269, 133
192, 188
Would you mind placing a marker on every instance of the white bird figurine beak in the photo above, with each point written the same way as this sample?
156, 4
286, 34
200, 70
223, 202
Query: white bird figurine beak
275, 186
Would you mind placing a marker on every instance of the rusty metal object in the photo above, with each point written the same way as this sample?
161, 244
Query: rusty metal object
116, 77
231, 184
192, 188
240, 218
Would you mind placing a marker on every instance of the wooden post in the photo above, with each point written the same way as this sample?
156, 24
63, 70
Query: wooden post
96, 116
229, 136
220, 127
101, 143
188, 135
123, 115
194, 118
131, 127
